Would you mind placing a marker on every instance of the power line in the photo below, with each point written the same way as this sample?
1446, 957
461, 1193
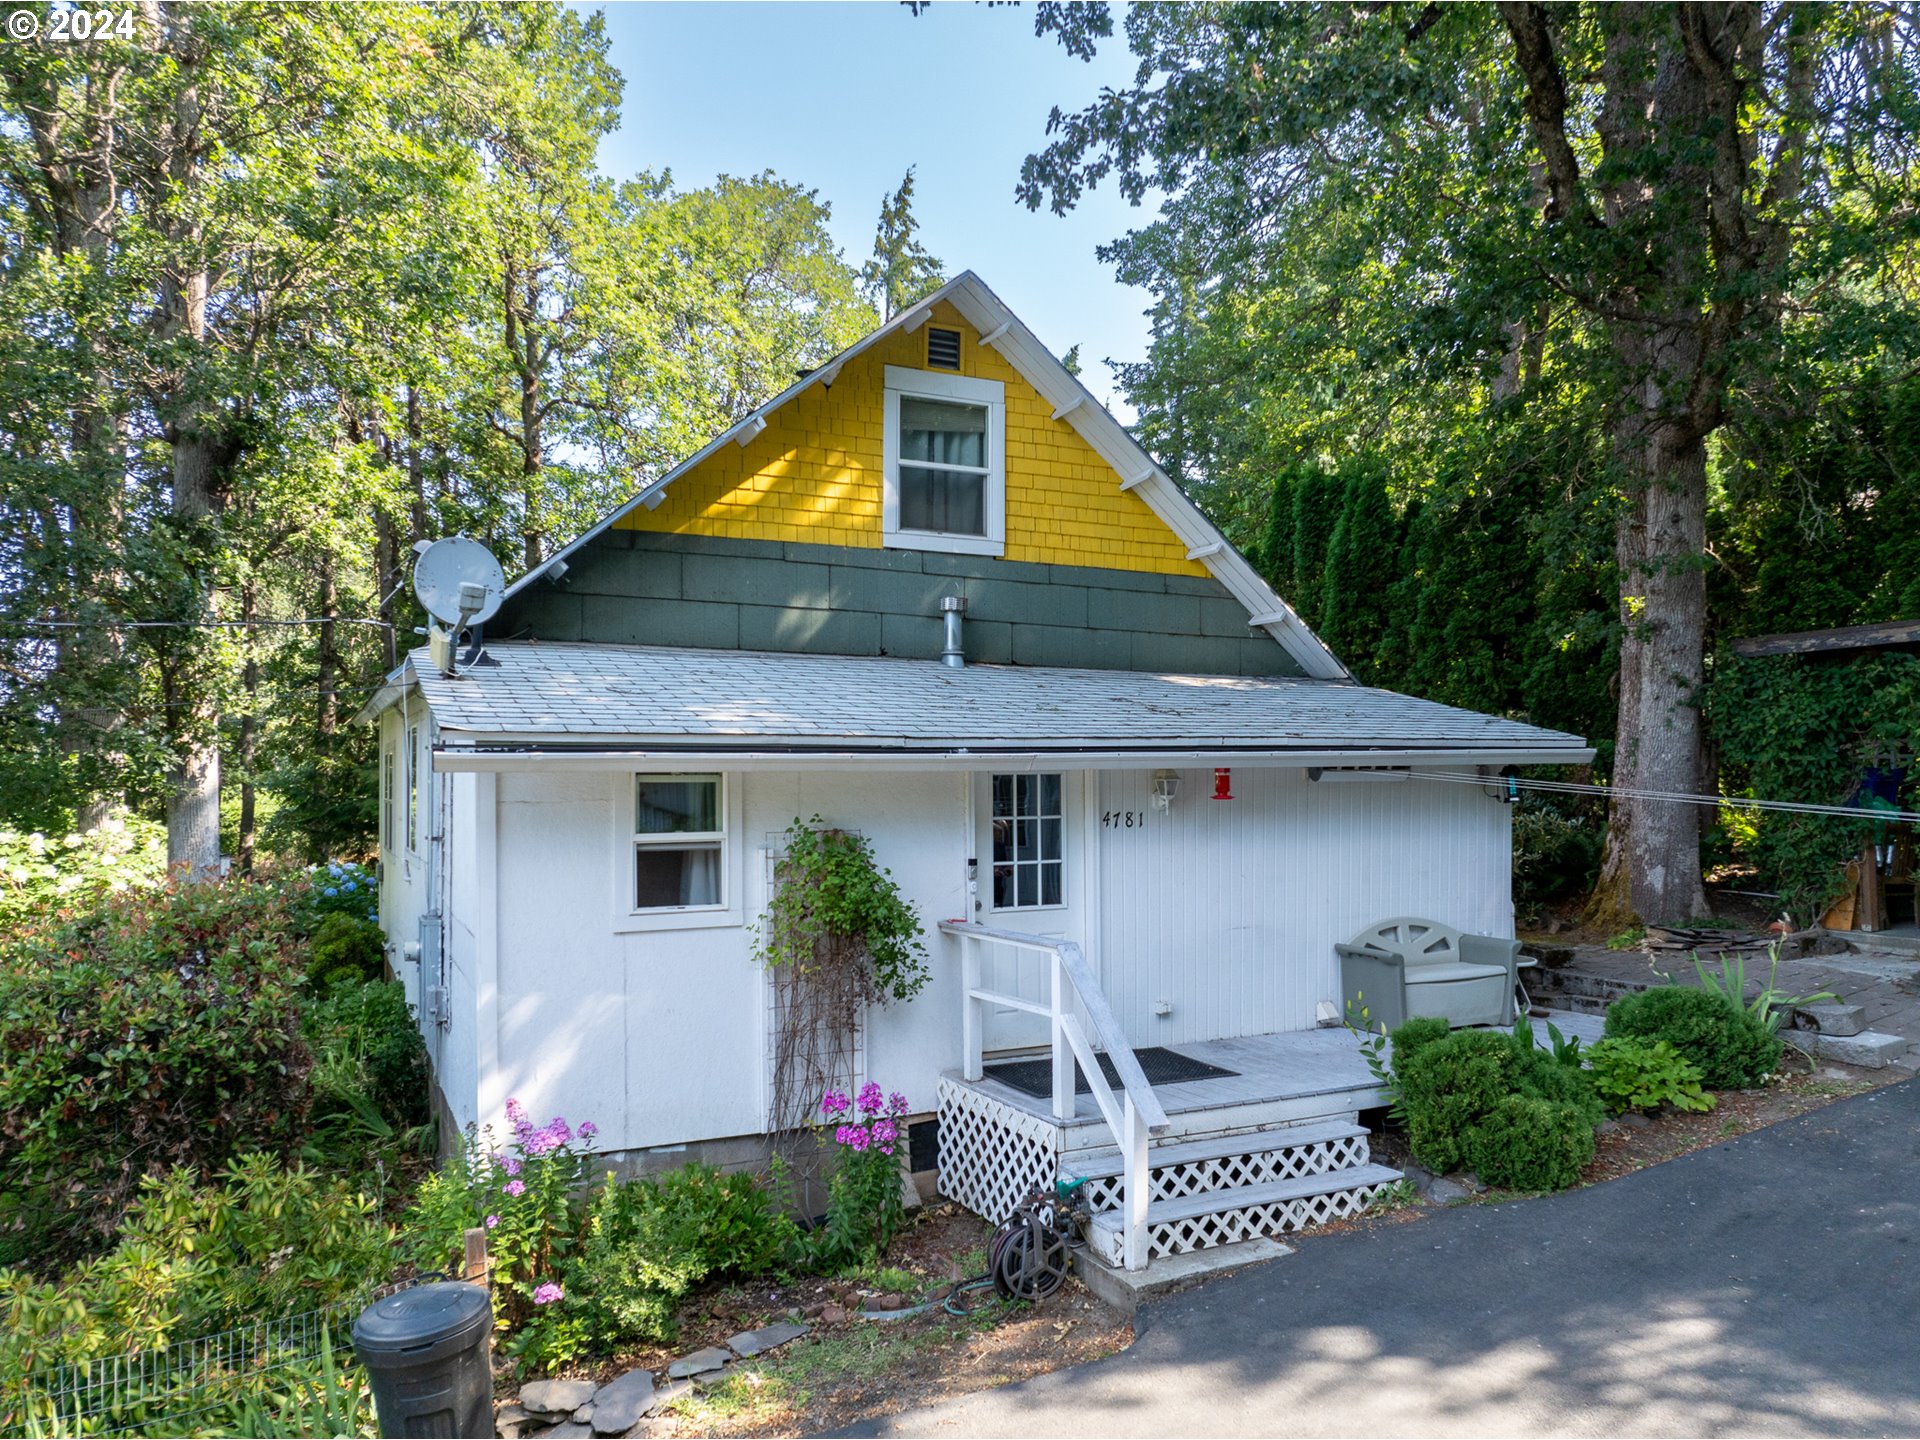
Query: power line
1675, 797
190, 624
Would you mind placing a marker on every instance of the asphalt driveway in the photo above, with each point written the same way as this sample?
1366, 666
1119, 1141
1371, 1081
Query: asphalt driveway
1765, 1286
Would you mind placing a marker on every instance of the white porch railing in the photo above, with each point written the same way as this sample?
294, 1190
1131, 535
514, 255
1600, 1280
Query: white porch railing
1072, 992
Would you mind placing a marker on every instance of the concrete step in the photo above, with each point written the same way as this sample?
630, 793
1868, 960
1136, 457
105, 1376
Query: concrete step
1125, 1289
1870, 1049
1831, 1019
1243, 1212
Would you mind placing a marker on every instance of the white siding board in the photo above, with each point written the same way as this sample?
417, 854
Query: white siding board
1229, 910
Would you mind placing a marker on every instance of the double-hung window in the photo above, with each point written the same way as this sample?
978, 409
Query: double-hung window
945, 457
679, 843
1027, 842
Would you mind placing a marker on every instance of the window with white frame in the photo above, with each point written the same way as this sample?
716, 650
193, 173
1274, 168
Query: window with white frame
387, 836
1028, 841
679, 842
413, 788
945, 457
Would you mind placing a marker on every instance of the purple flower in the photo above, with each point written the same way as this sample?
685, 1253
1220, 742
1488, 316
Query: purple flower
870, 1100
588, 1129
516, 1188
492, 1220
511, 1165
885, 1132
833, 1103
897, 1104
516, 1112
856, 1137
548, 1293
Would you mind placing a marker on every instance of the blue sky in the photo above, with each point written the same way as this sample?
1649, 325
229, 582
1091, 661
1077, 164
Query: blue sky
843, 97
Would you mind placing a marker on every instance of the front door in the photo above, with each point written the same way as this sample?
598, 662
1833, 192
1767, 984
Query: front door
1032, 879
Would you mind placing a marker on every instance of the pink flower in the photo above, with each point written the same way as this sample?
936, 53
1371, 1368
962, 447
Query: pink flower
897, 1104
516, 1188
511, 1165
856, 1137
833, 1103
870, 1100
885, 1132
516, 1112
548, 1293
588, 1129
492, 1220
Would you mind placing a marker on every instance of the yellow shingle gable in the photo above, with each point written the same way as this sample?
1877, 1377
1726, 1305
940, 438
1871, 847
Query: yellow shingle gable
814, 474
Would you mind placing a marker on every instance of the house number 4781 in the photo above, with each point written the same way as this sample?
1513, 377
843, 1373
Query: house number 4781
1123, 819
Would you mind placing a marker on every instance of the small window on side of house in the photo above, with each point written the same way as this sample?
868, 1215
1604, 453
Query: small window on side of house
679, 843
413, 788
387, 836
1028, 842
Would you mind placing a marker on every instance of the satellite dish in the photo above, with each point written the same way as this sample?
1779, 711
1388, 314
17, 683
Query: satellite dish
458, 582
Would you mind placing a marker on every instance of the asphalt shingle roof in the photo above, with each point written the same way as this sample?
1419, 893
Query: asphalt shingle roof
580, 693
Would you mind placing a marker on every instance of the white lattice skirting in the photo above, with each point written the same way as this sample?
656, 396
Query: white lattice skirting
1231, 1172
992, 1155
1225, 1227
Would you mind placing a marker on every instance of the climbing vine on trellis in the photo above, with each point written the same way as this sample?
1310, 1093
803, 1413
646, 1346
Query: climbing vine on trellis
837, 936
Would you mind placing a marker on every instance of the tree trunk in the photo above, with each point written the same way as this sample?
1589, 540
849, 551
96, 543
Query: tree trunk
1652, 868
247, 744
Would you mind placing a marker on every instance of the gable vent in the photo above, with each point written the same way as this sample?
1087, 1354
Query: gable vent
943, 349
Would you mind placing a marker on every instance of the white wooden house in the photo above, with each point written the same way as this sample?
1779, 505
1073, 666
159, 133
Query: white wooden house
1135, 816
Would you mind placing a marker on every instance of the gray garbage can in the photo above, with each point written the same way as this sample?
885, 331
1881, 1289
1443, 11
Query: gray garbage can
426, 1352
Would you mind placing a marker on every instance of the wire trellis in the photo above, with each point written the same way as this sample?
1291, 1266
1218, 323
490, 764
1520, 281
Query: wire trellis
156, 1391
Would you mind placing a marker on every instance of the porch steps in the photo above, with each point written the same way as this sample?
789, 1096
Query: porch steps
1277, 1153
1222, 1217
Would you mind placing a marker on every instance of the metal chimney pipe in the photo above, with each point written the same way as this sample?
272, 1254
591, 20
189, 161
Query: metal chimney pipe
953, 609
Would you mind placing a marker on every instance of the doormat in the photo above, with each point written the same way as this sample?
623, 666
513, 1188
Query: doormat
1162, 1067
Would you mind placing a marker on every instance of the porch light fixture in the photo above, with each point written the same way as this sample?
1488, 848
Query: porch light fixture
1166, 785
1222, 783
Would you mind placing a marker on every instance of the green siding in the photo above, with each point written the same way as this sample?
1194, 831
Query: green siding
639, 588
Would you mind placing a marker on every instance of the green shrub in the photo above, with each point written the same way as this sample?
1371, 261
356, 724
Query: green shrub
44, 876
1731, 1048
1556, 850
1527, 1143
158, 1030
261, 1241
1630, 1074
345, 948
1446, 1086
1449, 1086
649, 1242
1415, 1035
336, 888
370, 1075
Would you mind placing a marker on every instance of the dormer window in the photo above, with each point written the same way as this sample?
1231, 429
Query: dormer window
945, 457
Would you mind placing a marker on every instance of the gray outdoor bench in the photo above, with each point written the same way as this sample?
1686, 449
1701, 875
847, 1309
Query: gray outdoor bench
1401, 968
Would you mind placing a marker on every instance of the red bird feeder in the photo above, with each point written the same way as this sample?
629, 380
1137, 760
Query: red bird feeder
1223, 784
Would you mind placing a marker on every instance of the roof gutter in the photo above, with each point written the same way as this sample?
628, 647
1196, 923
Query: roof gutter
549, 759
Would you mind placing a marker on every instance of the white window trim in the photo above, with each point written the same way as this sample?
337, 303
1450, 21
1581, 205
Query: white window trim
626, 919
944, 385
413, 736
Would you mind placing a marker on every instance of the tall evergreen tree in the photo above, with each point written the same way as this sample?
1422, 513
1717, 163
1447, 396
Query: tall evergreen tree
1363, 556
902, 270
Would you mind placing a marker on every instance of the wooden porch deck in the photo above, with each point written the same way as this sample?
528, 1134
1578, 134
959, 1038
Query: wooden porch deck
1293, 1075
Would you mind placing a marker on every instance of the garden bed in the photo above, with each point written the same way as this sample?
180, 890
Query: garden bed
1634, 1143
848, 1369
